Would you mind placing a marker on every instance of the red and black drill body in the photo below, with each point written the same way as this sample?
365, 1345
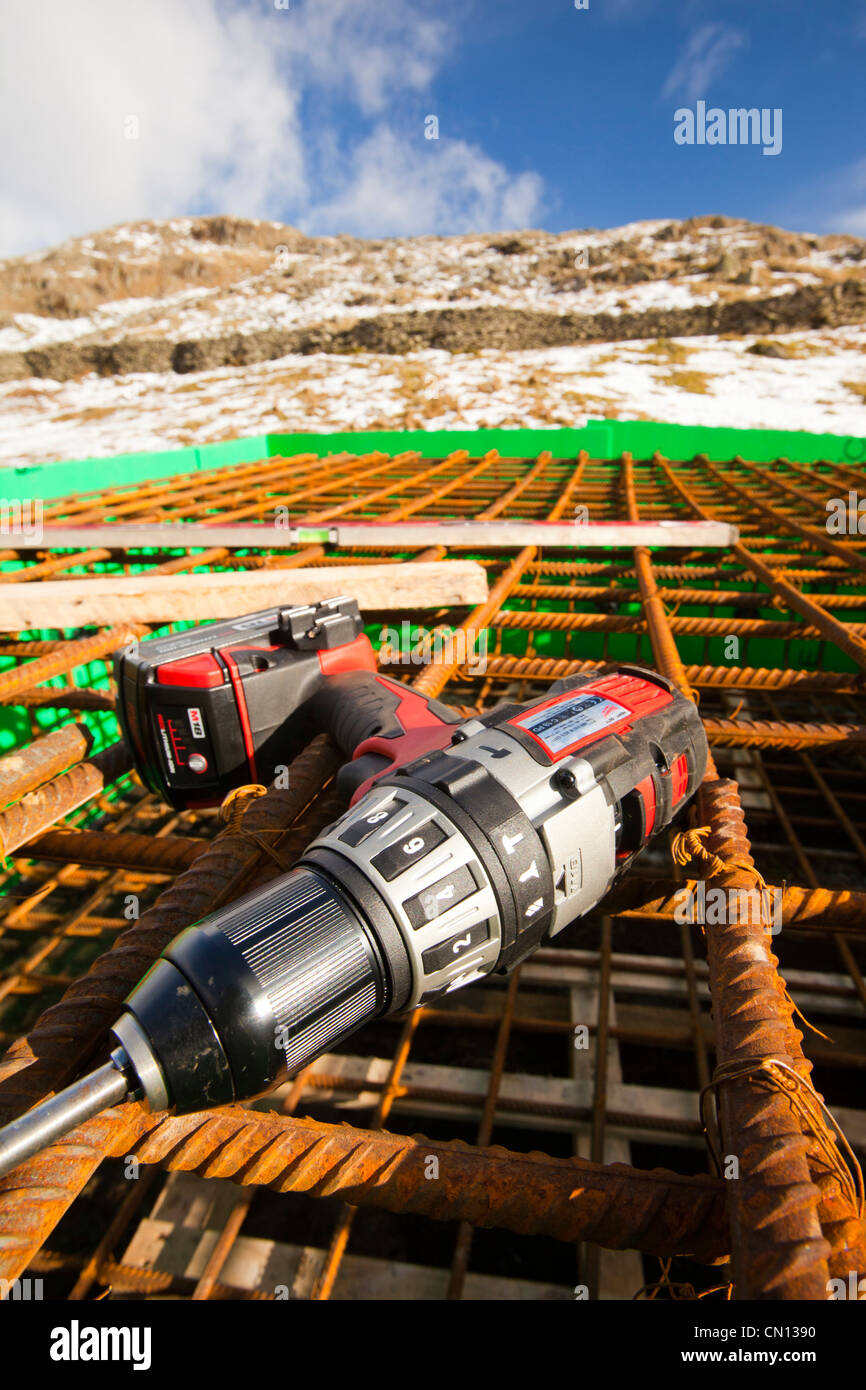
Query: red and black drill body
466, 843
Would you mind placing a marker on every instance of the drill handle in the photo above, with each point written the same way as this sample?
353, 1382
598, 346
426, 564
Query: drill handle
379, 723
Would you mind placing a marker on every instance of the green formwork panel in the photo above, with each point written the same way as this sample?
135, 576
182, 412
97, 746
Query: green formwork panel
121, 470
643, 437
600, 438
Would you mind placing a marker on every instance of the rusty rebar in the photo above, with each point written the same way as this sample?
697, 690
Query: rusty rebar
164, 854
780, 733
664, 647
537, 668
796, 908
62, 697
53, 800
66, 658
843, 1225
531, 1194
778, 1249
56, 566
29, 767
679, 623
712, 598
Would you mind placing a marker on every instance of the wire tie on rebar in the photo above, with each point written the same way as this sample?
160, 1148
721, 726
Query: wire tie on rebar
687, 845
778, 1073
803, 1019
234, 806
258, 838
678, 1292
232, 811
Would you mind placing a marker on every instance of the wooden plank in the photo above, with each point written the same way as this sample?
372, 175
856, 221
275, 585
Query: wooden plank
643, 1112
105, 600
637, 975
179, 1236
620, 1272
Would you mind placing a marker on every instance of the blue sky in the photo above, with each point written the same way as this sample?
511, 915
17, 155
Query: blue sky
586, 99
313, 112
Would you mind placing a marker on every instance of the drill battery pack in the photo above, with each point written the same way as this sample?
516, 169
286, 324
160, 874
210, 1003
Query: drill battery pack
207, 710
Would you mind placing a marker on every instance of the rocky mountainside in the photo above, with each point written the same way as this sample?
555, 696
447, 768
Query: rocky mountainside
195, 294
192, 330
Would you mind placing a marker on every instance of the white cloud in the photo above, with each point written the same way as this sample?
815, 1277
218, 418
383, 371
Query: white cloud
402, 187
707, 53
841, 195
853, 221
215, 118
367, 51
218, 88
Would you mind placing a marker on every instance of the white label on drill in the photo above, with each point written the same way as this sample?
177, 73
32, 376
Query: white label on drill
195, 723
558, 726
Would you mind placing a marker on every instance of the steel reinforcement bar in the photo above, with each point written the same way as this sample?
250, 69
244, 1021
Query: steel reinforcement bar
791, 1225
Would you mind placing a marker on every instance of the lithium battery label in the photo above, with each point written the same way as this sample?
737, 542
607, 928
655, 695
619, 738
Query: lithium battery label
559, 726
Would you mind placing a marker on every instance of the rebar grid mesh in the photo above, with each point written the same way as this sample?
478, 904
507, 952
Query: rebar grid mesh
769, 636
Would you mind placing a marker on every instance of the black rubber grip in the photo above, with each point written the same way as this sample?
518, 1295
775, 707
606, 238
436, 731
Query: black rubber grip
358, 705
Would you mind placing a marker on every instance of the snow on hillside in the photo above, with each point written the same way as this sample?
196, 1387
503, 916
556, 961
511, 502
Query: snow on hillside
190, 279
692, 381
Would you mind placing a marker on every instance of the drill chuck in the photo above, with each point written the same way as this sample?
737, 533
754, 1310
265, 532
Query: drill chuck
249, 995
236, 1003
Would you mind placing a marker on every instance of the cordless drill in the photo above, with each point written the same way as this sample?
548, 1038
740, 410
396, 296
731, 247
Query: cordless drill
467, 842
